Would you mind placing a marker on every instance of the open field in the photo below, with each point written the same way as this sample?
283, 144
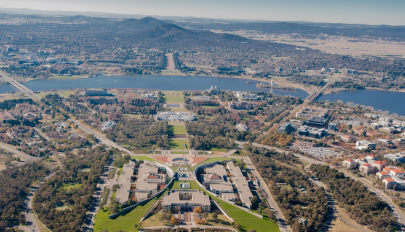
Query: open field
347, 217
68, 187
66, 93
178, 144
340, 226
177, 129
125, 221
179, 109
333, 44
175, 96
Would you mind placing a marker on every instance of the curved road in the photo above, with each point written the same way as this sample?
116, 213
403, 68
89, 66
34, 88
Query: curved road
26, 157
29, 213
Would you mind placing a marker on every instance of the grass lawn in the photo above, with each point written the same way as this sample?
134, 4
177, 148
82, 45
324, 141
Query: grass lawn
146, 158
219, 149
68, 187
153, 221
177, 130
193, 184
178, 144
125, 221
176, 97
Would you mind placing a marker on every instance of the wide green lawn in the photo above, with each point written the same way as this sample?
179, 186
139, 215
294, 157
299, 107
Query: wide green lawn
177, 130
193, 184
125, 221
68, 187
176, 97
178, 144
219, 149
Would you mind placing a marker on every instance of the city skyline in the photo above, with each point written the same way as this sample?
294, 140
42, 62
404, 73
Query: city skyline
353, 12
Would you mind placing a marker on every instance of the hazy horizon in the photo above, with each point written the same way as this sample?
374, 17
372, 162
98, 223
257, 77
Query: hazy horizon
372, 12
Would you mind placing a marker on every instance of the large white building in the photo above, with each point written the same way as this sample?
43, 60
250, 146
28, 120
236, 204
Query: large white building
175, 116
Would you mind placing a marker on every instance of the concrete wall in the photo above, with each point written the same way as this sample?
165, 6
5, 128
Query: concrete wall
222, 210
157, 202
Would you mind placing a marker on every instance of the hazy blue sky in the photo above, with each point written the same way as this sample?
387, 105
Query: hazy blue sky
337, 11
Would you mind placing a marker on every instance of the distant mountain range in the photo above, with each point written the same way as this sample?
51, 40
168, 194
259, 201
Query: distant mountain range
306, 28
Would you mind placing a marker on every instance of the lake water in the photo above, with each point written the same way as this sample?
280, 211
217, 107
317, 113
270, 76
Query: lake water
383, 100
175, 83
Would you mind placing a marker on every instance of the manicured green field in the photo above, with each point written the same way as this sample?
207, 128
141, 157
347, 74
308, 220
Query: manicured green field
219, 149
68, 187
125, 221
193, 184
176, 97
177, 130
178, 144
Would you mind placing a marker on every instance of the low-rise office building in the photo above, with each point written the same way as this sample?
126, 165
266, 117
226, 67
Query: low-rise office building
239, 180
312, 132
349, 163
286, 128
395, 157
308, 112
364, 144
316, 122
95, 92
124, 183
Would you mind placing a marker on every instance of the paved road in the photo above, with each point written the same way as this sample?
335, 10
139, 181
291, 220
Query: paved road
101, 137
28, 213
26, 157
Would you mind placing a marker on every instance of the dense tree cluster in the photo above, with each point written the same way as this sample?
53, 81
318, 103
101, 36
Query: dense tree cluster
362, 205
139, 133
10, 104
143, 106
72, 187
14, 187
311, 205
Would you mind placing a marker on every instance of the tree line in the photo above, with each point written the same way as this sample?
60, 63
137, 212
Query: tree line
72, 188
15, 185
311, 204
361, 204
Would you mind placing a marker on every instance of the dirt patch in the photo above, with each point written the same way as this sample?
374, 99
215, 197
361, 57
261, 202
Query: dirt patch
340, 226
162, 159
198, 160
